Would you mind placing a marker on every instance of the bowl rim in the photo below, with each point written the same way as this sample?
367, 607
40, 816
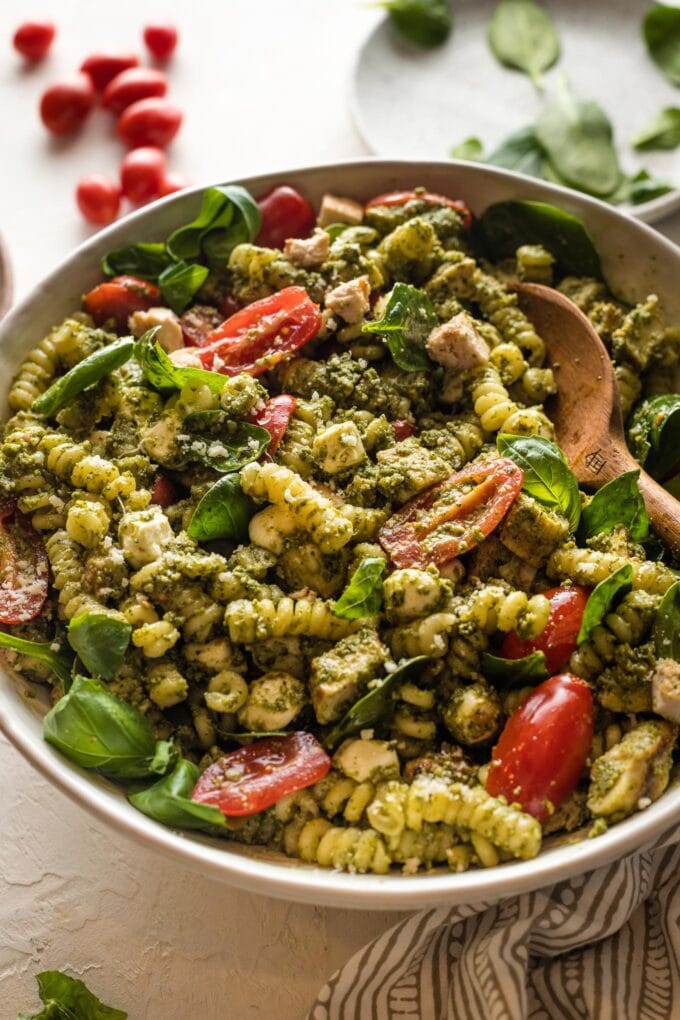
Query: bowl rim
290, 879
6, 279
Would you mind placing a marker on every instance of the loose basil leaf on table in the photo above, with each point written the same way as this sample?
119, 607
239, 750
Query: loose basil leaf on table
163, 375
147, 260
169, 801
426, 23
520, 151
229, 213
618, 502
603, 598
513, 671
547, 476
86, 373
179, 283
666, 631
642, 187
97, 730
471, 149
220, 443
522, 35
100, 640
67, 998
41, 650
224, 512
654, 433
661, 31
662, 132
375, 706
407, 321
363, 595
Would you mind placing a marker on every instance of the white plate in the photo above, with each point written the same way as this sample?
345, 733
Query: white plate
411, 103
636, 261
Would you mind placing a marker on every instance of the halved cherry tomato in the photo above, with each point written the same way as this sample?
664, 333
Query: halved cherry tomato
452, 517
98, 199
132, 84
402, 429
102, 68
160, 40
558, 639
33, 39
153, 121
24, 567
198, 322
274, 417
66, 103
253, 778
543, 749
402, 197
262, 334
141, 173
118, 298
285, 213
163, 492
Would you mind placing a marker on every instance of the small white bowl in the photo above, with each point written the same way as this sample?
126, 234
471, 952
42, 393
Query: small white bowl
636, 261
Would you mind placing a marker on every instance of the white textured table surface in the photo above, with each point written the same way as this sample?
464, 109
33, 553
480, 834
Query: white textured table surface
263, 84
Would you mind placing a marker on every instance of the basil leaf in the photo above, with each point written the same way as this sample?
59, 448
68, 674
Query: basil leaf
662, 132
220, 443
179, 282
229, 212
41, 650
521, 152
654, 433
375, 706
577, 138
160, 372
602, 599
147, 260
661, 31
643, 188
426, 23
96, 730
67, 998
83, 375
514, 672
364, 594
618, 502
547, 476
169, 801
471, 149
523, 36
407, 321
505, 226
100, 641
666, 632
224, 512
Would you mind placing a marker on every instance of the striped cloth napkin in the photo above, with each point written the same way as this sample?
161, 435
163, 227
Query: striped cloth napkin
599, 946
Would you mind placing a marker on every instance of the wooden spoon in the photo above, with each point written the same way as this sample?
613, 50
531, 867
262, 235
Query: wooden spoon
586, 411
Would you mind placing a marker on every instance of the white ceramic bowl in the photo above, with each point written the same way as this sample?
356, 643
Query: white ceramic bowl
636, 260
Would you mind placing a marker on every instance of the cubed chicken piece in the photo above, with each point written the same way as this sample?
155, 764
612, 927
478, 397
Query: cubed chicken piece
367, 760
633, 773
335, 209
308, 252
531, 531
169, 336
350, 300
186, 357
143, 535
666, 689
338, 448
457, 345
274, 700
339, 676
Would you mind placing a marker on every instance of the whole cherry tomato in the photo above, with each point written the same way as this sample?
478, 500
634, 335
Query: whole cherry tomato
98, 199
253, 778
285, 213
402, 197
173, 182
274, 417
33, 39
476, 499
160, 40
131, 85
558, 639
118, 298
153, 121
163, 492
103, 67
543, 748
24, 568
65, 104
262, 334
142, 172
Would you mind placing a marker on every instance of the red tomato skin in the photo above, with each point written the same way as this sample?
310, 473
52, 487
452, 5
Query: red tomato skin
402, 429
171, 183
141, 173
558, 638
259, 336
118, 298
33, 39
98, 199
497, 484
160, 40
274, 417
163, 492
254, 777
285, 213
24, 567
402, 197
66, 103
542, 751
153, 121
131, 85
102, 68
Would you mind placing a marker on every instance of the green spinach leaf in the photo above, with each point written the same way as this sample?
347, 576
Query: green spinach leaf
426, 23
662, 132
228, 216
83, 375
514, 672
643, 188
147, 260
224, 512
42, 650
523, 36
661, 31
169, 801
163, 375
67, 998
100, 641
603, 598
470, 149
97, 730
521, 152
547, 476
179, 282
666, 630
618, 502
364, 594
654, 433
220, 443
407, 321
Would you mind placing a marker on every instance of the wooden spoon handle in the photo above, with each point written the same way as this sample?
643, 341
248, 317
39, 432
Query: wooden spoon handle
663, 510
